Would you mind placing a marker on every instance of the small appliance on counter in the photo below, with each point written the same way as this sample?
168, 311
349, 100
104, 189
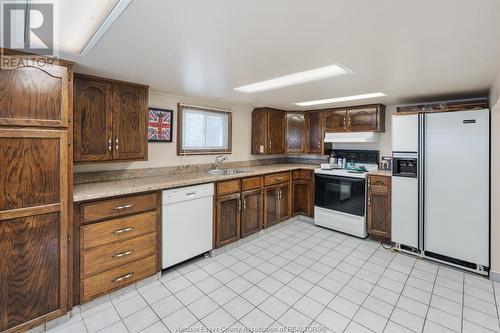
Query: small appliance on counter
340, 192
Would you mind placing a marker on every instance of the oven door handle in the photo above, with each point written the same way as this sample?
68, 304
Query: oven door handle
342, 178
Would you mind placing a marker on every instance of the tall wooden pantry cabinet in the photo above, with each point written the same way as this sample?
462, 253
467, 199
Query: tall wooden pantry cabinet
36, 198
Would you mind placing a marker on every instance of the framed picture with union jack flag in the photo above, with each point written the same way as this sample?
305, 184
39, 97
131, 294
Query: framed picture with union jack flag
160, 125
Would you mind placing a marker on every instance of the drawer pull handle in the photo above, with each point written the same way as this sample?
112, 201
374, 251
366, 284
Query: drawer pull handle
123, 277
123, 207
121, 231
123, 254
279, 178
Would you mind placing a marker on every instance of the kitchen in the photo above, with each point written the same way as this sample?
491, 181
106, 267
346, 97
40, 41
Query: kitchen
245, 190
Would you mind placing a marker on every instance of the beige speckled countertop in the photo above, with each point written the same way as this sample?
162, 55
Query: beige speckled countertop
387, 173
92, 191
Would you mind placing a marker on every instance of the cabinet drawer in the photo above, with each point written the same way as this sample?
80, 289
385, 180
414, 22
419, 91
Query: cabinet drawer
227, 187
104, 257
251, 183
117, 207
117, 277
301, 175
118, 229
277, 178
379, 184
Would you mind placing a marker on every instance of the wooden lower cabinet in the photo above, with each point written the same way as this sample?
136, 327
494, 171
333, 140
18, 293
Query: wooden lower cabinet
302, 198
227, 221
117, 242
379, 208
277, 204
251, 214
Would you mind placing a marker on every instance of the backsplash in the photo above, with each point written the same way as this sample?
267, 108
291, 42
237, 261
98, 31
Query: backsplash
102, 176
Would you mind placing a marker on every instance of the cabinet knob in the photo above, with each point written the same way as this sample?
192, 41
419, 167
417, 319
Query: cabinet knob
110, 144
116, 143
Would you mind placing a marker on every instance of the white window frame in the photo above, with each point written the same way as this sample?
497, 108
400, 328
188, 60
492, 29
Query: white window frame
205, 150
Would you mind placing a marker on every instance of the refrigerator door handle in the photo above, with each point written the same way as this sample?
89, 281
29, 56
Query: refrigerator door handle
421, 181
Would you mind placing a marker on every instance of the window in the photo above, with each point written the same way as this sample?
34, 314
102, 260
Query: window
203, 130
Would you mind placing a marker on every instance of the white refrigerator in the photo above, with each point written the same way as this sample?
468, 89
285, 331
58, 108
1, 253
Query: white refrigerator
440, 181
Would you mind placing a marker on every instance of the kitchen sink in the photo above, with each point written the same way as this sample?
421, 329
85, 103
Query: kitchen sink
224, 172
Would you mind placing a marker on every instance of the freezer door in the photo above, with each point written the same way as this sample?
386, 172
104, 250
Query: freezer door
404, 224
456, 185
405, 133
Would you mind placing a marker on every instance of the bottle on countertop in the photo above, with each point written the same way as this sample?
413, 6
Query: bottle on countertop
332, 159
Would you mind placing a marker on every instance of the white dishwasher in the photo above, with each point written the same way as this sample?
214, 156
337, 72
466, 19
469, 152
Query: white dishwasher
186, 223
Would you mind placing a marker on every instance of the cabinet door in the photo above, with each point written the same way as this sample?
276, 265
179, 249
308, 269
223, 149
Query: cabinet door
314, 133
33, 94
284, 202
276, 131
363, 119
227, 222
302, 197
130, 122
270, 206
260, 143
33, 226
93, 120
295, 132
379, 207
251, 214
335, 120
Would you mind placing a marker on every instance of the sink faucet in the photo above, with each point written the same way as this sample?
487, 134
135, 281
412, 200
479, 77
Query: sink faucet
218, 161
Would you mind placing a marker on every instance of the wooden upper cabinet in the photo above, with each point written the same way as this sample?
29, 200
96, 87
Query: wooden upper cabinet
33, 94
314, 132
268, 131
93, 125
369, 118
130, 122
110, 120
295, 132
335, 120
276, 131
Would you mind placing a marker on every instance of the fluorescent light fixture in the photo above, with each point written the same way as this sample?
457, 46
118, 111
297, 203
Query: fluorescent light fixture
79, 24
340, 99
296, 78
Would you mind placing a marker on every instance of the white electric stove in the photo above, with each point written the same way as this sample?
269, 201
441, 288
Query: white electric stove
341, 198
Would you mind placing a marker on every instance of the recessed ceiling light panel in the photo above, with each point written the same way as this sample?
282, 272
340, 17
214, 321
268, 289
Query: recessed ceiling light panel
340, 99
296, 78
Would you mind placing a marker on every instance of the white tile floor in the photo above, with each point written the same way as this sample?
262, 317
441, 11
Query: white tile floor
301, 276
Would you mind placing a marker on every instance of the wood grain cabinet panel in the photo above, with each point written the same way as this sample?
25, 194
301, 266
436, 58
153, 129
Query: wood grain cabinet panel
295, 132
130, 122
110, 120
93, 125
302, 197
33, 95
335, 120
276, 131
228, 218
277, 178
33, 226
370, 118
277, 204
112, 255
251, 213
115, 247
314, 132
121, 276
379, 208
228, 187
251, 183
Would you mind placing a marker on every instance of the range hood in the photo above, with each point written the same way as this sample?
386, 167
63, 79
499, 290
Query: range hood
352, 137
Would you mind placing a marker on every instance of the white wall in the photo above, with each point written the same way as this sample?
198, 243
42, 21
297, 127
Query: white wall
165, 154
495, 177
384, 144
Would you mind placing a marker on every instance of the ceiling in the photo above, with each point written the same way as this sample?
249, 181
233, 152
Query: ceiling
411, 50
